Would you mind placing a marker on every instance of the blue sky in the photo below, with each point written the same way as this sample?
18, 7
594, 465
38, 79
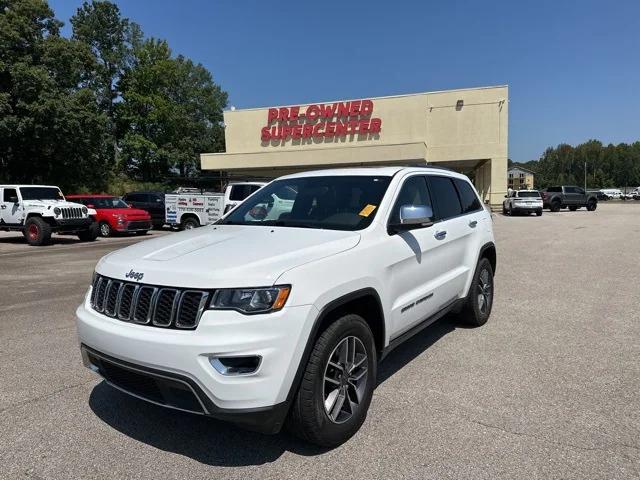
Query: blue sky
573, 67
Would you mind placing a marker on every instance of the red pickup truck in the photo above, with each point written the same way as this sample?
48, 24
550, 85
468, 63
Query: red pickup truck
114, 215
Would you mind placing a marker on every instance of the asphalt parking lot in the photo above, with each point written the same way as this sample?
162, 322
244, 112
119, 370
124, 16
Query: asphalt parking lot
549, 388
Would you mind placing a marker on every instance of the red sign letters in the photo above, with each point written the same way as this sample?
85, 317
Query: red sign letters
320, 121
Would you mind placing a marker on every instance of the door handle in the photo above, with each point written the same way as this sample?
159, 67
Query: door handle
440, 235
473, 223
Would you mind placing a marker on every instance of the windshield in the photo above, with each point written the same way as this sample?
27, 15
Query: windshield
105, 202
332, 202
528, 194
41, 193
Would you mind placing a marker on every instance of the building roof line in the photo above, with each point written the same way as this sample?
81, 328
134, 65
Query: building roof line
367, 98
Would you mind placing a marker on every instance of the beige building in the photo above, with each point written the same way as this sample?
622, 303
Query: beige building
519, 178
466, 130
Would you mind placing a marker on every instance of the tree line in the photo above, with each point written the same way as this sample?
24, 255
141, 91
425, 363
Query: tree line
616, 166
105, 105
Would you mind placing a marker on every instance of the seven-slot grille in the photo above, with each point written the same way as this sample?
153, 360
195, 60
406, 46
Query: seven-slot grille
148, 304
71, 212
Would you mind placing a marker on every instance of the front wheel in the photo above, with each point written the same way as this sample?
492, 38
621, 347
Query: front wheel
592, 205
37, 231
336, 389
573, 208
105, 229
90, 234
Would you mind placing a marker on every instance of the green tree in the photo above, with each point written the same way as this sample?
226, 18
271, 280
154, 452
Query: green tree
171, 111
51, 130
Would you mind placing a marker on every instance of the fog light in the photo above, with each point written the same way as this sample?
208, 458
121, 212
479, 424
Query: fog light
235, 365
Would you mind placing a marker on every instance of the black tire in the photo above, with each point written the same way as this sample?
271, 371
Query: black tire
592, 205
472, 313
189, 223
539, 212
90, 234
555, 206
504, 210
308, 417
142, 233
37, 231
510, 211
573, 208
105, 229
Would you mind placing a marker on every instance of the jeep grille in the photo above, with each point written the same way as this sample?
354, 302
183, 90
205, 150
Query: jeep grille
148, 304
71, 212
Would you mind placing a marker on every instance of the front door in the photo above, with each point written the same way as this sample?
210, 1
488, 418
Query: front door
414, 263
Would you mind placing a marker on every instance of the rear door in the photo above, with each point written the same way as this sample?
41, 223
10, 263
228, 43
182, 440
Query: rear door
10, 212
571, 196
452, 230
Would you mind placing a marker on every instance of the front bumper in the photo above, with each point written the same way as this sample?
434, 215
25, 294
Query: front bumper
257, 400
73, 224
134, 226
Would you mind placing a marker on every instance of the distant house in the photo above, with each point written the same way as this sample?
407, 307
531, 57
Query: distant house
519, 178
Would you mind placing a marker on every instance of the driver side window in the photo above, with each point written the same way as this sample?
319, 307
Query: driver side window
414, 191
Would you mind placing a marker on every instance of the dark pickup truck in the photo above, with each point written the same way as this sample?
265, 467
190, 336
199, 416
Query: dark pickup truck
571, 197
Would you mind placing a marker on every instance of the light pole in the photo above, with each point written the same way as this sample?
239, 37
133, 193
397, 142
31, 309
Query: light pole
585, 176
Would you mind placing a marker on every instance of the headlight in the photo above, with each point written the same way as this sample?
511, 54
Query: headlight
57, 211
84, 210
251, 300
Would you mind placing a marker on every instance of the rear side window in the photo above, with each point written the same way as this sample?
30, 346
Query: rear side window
468, 197
8, 193
413, 192
445, 197
240, 192
135, 197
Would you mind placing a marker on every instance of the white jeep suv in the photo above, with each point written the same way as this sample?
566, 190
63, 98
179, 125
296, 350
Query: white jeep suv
268, 321
39, 210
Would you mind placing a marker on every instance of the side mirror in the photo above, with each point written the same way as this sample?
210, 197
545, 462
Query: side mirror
506, 196
130, 205
412, 217
13, 199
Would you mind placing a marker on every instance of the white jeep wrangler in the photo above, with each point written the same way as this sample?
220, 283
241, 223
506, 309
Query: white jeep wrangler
39, 210
266, 321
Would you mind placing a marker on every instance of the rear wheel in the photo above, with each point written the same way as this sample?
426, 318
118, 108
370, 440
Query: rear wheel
592, 205
510, 210
477, 307
539, 212
573, 208
189, 223
142, 233
333, 398
105, 229
555, 207
37, 231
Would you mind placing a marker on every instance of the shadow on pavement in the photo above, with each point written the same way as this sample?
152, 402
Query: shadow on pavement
212, 442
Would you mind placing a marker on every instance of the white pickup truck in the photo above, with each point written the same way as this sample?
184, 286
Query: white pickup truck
190, 208
39, 210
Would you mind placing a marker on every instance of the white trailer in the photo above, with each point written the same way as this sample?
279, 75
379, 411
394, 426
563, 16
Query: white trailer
189, 208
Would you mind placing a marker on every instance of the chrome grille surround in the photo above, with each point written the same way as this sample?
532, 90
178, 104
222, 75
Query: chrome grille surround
162, 307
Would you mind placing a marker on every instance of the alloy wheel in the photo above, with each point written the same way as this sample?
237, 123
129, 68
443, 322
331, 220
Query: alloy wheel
105, 230
345, 379
32, 231
484, 291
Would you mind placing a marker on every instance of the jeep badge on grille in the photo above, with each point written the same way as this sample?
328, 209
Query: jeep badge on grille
137, 276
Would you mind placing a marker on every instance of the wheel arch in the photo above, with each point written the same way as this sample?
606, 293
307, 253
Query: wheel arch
488, 251
187, 215
364, 302
31, 215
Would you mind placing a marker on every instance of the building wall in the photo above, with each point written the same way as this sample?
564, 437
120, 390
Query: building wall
428, 127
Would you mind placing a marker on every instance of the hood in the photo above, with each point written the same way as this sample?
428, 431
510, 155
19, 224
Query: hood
222, 256
51, 204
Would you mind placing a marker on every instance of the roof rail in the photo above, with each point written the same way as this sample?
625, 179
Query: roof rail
426, 165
